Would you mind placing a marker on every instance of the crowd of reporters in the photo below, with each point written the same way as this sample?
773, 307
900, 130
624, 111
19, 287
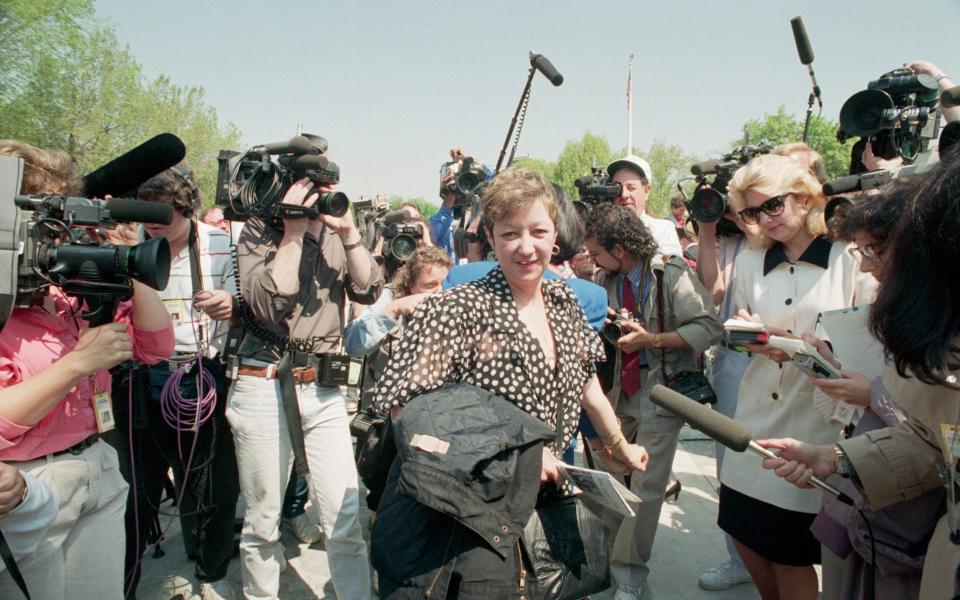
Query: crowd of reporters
258, 313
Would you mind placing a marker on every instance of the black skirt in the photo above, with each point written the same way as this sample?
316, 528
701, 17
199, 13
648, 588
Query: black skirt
777, 534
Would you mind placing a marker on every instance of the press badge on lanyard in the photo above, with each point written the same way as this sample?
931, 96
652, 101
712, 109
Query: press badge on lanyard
103, 409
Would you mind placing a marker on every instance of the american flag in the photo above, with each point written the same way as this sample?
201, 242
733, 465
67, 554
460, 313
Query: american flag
629, 82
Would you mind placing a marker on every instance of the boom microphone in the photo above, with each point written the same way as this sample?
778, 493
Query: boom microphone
124, 174
950, 98
723, 429
803, 42
396, 216
540, 63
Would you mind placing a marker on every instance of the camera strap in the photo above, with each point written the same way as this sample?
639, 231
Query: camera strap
11, 564
660, 325
291, 413
196, 275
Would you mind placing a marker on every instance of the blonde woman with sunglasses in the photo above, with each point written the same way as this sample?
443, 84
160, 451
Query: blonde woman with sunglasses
790, 275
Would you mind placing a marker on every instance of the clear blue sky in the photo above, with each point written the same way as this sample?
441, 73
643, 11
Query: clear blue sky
392, 85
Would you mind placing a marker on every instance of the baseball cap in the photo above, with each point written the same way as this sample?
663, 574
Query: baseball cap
634, 162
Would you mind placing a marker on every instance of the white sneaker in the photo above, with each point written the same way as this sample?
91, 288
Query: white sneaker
629, 592
217, 590
724, 576
304, 528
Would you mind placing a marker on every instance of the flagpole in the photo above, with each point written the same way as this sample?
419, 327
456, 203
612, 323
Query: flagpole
630, 106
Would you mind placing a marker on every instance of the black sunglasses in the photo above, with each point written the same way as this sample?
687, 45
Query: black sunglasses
770, 207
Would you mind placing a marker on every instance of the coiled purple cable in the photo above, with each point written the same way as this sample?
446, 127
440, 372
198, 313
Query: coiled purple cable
188, 414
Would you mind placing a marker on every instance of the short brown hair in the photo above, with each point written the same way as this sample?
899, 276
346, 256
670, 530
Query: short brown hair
407, 274
44, 171
775, 176
514, 189
177, 185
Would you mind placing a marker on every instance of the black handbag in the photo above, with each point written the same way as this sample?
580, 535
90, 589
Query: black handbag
376, 452
568, 547
692, 384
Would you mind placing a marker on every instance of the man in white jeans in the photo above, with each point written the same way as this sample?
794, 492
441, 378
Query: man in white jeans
294, 282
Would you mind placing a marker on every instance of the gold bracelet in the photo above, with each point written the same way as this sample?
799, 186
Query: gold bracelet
616, 438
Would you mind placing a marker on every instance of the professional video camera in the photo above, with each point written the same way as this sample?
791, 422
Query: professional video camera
48, 240
252, 184
366, 213
898, 113
709, 200
596, 187
469, 176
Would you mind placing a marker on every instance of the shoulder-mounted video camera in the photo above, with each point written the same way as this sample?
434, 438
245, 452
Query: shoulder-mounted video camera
898, 113
469, 176
709, 200
253, 183
597, 187
54, 240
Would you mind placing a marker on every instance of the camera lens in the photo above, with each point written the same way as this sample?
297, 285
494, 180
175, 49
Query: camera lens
402, 247
708, 205
333, 203
613, 331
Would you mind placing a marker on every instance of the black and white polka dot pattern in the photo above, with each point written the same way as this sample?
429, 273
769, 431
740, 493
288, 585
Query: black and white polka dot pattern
473, 334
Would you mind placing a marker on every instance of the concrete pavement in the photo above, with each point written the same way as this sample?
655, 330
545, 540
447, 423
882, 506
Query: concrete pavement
688, 542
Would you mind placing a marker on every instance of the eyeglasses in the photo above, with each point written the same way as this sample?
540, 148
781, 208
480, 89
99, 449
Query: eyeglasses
770, 207
868, 252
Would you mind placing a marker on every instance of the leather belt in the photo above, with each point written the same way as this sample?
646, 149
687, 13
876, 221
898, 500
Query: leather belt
300, 374
79, 446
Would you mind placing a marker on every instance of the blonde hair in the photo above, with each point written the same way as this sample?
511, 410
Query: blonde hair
814, 160
774, 175
407, 274
44, 171
516, 189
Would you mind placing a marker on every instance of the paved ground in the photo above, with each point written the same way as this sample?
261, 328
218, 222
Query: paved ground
688, 542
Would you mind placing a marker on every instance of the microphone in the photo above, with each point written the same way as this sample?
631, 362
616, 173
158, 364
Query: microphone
723, 429
803, 42
296, 145
540, 63
396, 216
127, 210
317, 164
124, 174
806, 54
950, 98
707, 167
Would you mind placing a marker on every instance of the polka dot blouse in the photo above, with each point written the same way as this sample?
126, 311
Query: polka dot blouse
473, 334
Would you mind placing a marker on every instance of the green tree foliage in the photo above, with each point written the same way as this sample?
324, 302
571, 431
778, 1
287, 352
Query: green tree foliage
668, 161
427, 209
76, 88
782, 128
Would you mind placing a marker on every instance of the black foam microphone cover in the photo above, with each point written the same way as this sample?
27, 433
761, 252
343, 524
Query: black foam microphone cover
396, 216
124, 174
950, 98
707, 167
295, 145
803, 42
127, 210
843, 185
540, 63
701, 417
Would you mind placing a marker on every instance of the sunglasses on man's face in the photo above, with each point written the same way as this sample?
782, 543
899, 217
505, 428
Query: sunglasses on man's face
770, 207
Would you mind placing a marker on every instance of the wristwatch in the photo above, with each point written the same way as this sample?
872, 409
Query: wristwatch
841, 464
657, 341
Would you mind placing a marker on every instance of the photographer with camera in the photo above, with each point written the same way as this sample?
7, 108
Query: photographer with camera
295, 279
54, 405
634, 176
670, 319
459, 179
176, 407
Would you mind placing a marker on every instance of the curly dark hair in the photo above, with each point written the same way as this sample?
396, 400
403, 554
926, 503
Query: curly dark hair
877, 216
917, 311
176, 185
610, 224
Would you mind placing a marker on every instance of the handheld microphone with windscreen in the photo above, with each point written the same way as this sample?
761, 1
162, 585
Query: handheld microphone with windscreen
723, 429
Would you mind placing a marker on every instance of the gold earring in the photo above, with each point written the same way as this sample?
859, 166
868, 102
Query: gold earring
556, 250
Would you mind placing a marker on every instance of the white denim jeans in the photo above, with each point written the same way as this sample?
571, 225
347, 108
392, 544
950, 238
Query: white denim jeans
265, 457
81, 555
